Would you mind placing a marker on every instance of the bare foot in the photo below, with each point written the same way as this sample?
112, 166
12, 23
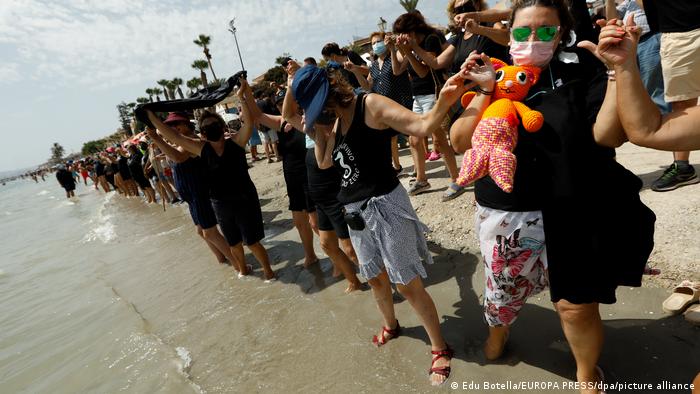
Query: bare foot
270, 276
590, 384
496, 343
336, 272
246, 271
440, 367
353, 287
309, 262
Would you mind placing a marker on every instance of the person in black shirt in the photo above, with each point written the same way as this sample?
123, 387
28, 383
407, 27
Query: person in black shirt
388, 77
584, 227
413, 31
385, 231
192, 186
66, 180
233, 194
294, 153
136, 169
348, 62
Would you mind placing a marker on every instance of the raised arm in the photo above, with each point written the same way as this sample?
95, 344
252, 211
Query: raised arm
398, 67
463, 128
170, 151
404, 44
490, 16
498, 33
191, 145
359, 75
385, 113
436, 62
247, 103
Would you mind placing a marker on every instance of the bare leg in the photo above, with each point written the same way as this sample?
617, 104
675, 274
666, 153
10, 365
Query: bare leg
274, 149
395, 152
340, 261
349, 250
417, 151
424, 307
301, 222
219, 256
583, 329
313, 221
448, 154
218, 242
493, 348
381, 289
260, 254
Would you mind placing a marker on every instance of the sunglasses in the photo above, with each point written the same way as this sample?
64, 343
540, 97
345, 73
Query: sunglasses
543, 33
467, 6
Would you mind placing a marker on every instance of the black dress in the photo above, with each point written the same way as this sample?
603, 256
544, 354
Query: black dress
599, 234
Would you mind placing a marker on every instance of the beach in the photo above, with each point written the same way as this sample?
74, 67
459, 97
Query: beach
112, 295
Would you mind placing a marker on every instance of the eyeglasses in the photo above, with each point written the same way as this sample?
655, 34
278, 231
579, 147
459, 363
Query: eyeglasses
543, 33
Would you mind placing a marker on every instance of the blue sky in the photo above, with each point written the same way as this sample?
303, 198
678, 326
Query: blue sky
68, 63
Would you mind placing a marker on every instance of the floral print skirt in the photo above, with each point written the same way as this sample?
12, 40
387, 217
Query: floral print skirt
515, 259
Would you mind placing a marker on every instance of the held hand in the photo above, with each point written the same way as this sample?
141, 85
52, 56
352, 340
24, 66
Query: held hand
151, 132
617, 44
350, 66
461, 19
287, 128
454, 88
292, 67
484, 76
389, 41
471, 26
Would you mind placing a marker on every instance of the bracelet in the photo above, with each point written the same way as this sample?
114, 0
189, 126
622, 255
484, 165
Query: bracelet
611, 74
484, 92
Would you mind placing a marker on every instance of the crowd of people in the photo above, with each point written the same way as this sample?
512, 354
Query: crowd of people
337, 130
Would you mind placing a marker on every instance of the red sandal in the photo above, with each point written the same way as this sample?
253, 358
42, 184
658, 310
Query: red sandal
446, 353
379, 341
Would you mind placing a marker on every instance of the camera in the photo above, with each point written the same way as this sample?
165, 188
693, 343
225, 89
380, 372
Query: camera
354, 220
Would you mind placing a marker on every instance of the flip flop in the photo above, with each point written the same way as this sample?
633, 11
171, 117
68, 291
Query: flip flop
692, 314
684, 294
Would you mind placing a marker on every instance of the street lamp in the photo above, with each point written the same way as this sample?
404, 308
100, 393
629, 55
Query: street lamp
232, 29
381, 24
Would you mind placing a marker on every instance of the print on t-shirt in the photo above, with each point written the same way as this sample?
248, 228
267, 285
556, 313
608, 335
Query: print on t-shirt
346, 160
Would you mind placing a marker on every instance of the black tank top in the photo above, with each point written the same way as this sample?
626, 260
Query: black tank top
292, 148
363, 158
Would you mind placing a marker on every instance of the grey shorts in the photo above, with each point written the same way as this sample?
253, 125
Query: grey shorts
269, 136
393, 238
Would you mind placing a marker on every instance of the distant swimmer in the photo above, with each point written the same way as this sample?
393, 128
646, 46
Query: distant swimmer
66, 180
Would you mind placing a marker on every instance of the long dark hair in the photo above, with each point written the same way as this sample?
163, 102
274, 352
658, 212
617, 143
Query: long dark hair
566, 20
413, 22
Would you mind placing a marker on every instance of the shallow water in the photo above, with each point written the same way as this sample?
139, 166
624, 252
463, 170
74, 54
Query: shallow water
112, 295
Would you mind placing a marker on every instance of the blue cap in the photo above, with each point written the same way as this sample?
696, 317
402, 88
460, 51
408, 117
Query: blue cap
310, 89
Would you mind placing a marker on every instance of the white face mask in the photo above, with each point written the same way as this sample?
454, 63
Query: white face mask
532, 53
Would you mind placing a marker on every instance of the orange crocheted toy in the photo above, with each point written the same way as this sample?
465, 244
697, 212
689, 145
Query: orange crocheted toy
496, 133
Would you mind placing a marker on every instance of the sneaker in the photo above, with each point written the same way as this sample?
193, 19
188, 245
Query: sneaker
673, 178
434, 156
418, 187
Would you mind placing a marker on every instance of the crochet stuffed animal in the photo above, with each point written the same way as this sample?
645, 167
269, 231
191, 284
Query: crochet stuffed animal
496, 133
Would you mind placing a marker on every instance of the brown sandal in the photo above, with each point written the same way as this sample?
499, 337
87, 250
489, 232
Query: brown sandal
381, 340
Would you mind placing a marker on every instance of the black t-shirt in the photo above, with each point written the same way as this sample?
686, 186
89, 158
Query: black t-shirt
481, 44
672, 16
362, 156
559, 159
292, 148
99, 168
65, 178
421, 86
227, 174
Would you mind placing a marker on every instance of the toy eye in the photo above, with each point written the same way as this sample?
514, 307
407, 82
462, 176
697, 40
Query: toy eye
499, 75
521, 77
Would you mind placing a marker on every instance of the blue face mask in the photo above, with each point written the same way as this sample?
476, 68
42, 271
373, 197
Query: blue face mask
379, 48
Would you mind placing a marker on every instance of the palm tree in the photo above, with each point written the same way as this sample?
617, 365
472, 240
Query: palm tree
203, 42
178, 82
157, 92
409, 5
149, 92
201, 65
193, 84
164, 84
143, 100
171, 89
